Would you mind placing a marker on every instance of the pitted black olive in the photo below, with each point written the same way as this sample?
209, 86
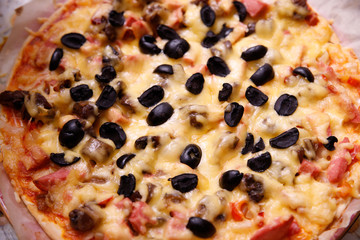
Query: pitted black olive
286, 105
260, 163
254, 53
241, 10
147, 45
250, 29
71, 134
201, 227
218, 67
113, 132
141, 143
331, 141
160, 114
249, 144
264, 74
121, 161
305, 72
73, 40
229, 180
207, 15
107, 98
191, 155
108, 73
80, 220
185, 182
286, 139
176, 48
233, 114
127, 185
166, 32
255, 96
59, 159
116, 19
195, 83
151, 96
81, 93
55, 59
259, 146
164, 69
225, 92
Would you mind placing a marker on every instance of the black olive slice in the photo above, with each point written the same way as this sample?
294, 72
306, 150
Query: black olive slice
185, 182
59, 159
286, 139
286, 105
217, 66
113, 132
305, 72
260, 163
73, 40
55, 59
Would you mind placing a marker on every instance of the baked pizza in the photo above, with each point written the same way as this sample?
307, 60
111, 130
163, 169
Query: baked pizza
186, 119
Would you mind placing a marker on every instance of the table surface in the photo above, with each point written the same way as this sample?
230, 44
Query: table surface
7, 7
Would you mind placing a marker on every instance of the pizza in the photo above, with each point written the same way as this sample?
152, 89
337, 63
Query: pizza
183, 119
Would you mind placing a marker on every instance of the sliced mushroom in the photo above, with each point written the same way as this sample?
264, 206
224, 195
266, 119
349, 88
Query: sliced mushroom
97, 150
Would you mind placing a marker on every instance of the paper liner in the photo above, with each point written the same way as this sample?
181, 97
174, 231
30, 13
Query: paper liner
342, 12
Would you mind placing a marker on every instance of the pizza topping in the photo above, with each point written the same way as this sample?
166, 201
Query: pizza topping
260, 163
195, 83
191, 155
259, 146
331, 141
59, 159
13, 99
96, 150
71, 133
151, 96
108, 73
249, 144
185, 182
73, 40
55, 59
166, 32
254, 188
225, 92
285, 139
160, 114
263, 75
304, 72
255, 96
233, 114
116, 19
241, 10
147, 45
81, 93
254, 53
207, 15
113, 132
217, 66
176, 48
164, 69
286, 105
84, 218
229, 180
201, 227
127, 185
107, 98
121, 161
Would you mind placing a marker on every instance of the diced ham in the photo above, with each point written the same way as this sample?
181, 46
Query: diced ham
278, 230
337, 169
309, 167
46, 182
141, 217
254, 7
